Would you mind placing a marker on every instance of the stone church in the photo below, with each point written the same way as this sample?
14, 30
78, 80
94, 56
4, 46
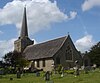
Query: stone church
48, 54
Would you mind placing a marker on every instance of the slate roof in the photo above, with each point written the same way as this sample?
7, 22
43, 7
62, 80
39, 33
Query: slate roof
44, 50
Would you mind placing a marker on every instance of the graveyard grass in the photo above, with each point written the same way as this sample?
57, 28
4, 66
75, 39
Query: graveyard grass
91, 77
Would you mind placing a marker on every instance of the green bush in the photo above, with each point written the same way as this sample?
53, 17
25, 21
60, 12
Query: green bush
69, 71
59, 69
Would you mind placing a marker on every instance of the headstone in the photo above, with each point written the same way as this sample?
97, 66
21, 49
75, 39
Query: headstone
62, 72
47, 76
86, 70
18, 73
11, 78
94, 66
77, 68
62, 75
77, 71
37, 74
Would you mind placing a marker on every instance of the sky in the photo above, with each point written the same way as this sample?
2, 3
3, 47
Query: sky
50, 19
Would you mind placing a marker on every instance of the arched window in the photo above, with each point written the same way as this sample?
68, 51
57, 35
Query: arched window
38, 65
69, 53
43, 63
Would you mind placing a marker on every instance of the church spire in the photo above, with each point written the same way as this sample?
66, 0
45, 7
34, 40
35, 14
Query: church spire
24, 30
23, 41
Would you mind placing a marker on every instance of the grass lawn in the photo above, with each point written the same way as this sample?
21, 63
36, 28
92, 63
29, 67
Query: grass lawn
91, 77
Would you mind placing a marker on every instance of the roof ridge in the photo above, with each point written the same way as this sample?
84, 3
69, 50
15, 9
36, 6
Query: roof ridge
47, 41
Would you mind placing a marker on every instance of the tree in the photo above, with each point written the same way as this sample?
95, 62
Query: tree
15, 59
7, 58
94, 54
18, 60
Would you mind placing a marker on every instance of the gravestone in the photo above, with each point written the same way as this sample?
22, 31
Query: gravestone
18, 73
62, 72
47, 76
11, 78
37, 74
86, 70
77, 68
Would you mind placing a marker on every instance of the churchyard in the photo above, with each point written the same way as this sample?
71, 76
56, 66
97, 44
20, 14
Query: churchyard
92, 77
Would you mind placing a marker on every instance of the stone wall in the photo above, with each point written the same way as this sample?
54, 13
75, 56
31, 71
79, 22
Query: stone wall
47, 67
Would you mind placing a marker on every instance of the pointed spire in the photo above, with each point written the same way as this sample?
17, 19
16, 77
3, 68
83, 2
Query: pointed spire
24, 30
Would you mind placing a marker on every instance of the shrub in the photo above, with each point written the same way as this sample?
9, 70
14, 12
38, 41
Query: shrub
69, 71
59, 69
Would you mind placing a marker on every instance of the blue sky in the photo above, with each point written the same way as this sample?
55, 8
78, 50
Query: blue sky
50, 19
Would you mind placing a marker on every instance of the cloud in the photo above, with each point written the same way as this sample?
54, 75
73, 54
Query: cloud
88, 4
40, 13
85, 43
73, 14
1, 32
6, 46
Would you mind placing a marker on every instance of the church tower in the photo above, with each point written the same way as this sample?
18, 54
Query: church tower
23, 41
